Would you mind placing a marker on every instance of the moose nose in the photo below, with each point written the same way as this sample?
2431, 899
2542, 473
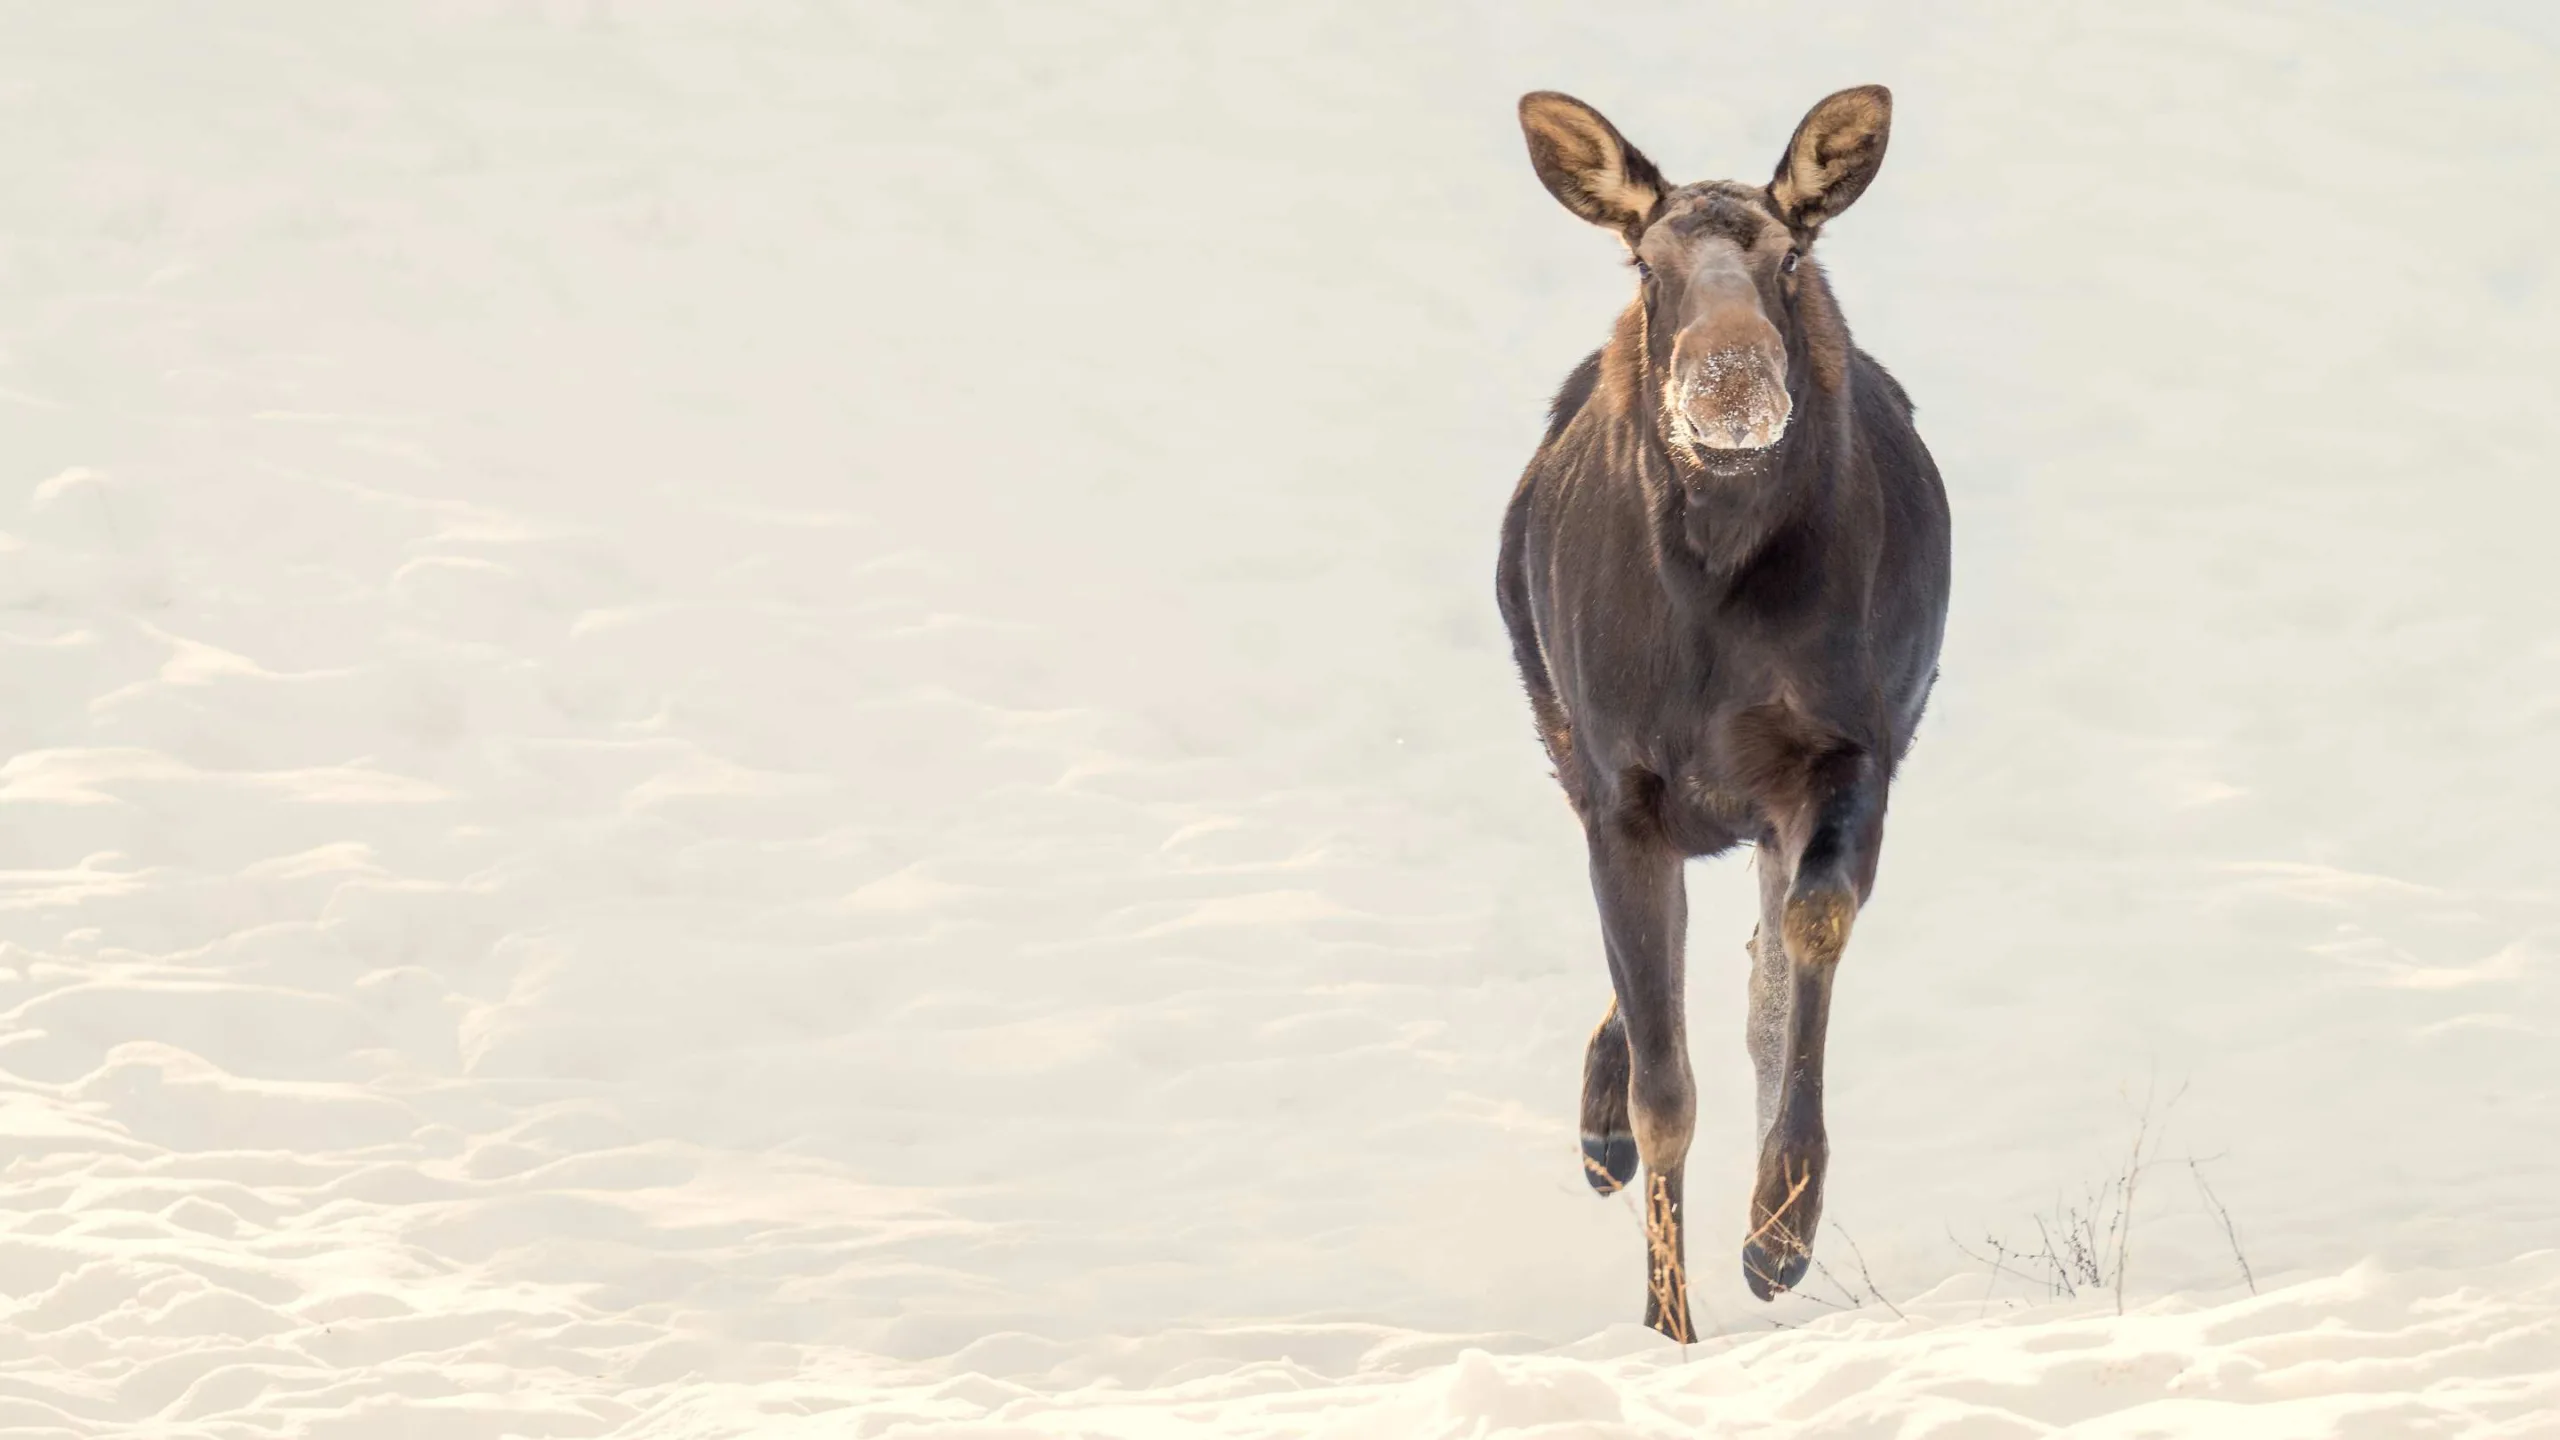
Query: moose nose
1732, 396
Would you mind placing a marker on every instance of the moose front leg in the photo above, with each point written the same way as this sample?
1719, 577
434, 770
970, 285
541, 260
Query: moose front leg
1644, 915
1608, 1145
1810, 891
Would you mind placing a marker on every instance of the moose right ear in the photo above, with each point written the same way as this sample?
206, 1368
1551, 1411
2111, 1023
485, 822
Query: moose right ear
1588, 165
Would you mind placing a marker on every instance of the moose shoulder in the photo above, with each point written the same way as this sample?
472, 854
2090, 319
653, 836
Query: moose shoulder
1725, 579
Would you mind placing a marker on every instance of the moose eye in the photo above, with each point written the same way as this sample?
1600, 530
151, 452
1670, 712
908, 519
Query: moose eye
1643, 271
1788, 265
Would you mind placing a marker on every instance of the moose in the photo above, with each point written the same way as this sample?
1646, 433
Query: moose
1725, 577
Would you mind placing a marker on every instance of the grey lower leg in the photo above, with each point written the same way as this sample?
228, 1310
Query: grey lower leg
1765, 1028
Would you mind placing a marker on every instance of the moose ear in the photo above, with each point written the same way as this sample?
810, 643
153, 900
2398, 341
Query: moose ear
1836, 150
1588, 165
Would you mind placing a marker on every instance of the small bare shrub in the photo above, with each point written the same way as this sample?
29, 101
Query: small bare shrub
2085, 1245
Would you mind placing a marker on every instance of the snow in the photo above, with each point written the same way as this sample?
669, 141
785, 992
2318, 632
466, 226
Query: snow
2357, 1353
786, 720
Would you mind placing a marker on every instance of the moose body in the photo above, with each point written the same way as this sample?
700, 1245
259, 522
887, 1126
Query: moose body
1725, 578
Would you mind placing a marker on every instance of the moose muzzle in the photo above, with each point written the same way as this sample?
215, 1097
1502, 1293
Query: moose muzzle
1727, 387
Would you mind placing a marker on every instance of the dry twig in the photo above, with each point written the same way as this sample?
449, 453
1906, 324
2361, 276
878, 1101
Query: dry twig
1863, 1277
2230, 1231
1666, 1275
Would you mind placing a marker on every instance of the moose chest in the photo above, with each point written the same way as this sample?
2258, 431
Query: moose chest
1691, 732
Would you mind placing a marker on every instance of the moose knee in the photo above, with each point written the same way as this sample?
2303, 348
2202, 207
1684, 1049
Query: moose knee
1816, 924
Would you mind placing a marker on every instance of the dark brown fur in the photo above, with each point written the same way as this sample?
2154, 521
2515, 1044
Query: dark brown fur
1723, 645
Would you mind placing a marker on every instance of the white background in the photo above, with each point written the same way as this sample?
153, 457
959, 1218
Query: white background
710, 713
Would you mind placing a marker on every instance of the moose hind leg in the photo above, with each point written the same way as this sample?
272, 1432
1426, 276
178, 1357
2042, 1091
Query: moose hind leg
1764, 1031
1608, 1144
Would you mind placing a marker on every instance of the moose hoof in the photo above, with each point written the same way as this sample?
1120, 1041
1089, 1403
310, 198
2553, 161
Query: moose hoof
1771, 1271
1609, 1161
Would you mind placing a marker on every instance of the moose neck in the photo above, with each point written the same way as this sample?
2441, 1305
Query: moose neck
1710, 521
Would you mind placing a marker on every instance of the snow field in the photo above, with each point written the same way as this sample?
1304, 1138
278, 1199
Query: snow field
783, 720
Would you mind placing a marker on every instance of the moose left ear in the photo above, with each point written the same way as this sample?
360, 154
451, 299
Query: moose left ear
1837, 149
